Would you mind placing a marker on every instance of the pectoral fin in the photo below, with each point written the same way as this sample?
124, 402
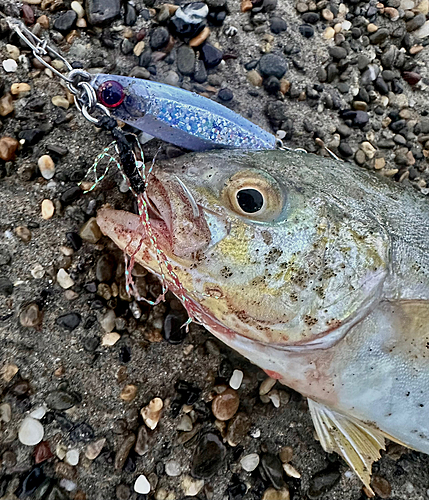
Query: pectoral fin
355, 441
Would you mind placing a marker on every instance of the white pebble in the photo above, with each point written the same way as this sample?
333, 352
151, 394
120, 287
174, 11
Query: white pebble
31, 432
37, 272
142, 485
236, 379
250, 462
107, 322
77, 7
10, 65
172, 468
47, 209
64, 280
5, 413
291, 471
72, 457
346, 25
191, 487
275, 398
67, 484
38, 413
46, 166
13, 51
110, 338
255, 433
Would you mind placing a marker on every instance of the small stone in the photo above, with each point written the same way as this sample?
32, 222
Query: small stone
70, 321
30, 316
142, 485
323, 481
211, 55
72, 457
13, 51
191, 487
368, 149
94, 449
46, 166
416, 22
250, 462
337, 53
266, 386
238, 428
246, 5
6, 105
379, 163
101, 12
23, 233
124, 451
273, 65
8, 372
65, 22
18, 89
38, 413
172, 468
236, 379
329, 33
10, 65
48, 210
31, 432
209, 456
186, 60
411, 77
152, 413
291, 471
8, 147
90, 231
110, 339
42, 452
306, 30
185, 424
273, 469
423, 31
60, 102
138, 48
279, 494
225, 405
277, 25
129, 392
142, 441
159, 38
255, 78
371, 28
77, 7
379, 36
5, 413
64, 279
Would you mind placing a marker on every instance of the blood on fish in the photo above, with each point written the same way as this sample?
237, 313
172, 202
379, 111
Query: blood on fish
274, 375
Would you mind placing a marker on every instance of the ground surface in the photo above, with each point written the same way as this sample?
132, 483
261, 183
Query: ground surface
90, 377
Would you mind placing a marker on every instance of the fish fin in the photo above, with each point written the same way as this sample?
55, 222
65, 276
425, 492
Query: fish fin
355, 441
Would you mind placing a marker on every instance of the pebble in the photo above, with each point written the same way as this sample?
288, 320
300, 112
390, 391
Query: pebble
238, 428
209, 456
255, 78
276, 494
381, 486
8, 147
100, 12
191, 487
159, 38
423, 31
306, 30
60, 102
129, 392
368, 149
273, 468
70, 321
64, 279
323, 481
10, 65
225, 405
329, 33
61, 400
42, 452
48, 210
30, 316
72, 457
65, 22
18, 89
172, 468
142, 485
277, 25
152, 413
6, 105
250, 462
291, 471
200, 38
138, 48
5, 413
189, 20
13, 51
23, 233
110, 339
46, 166
31, 432
185, 424
236, 379
142, 442
38, 412
416, 22
211, 55
124, 451
94, 449
273, 65
90, 231
186, 60
77, 7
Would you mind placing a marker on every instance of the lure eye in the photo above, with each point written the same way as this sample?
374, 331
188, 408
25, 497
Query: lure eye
111, 94
250, 200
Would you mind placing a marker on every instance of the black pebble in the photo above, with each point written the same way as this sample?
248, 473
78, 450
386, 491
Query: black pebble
6, 286
65, 22
90, 344
31, 136
31, 482
273, 469
277, 25
69, 321
74, 240
211, 55
272, 85
70, 195
209, 456
225, 95
311, 17
345, 150
174, 332
159, 38
130, 14
306, 30
82, 433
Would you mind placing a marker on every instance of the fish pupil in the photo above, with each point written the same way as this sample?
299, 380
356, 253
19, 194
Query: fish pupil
250, 200
111, 94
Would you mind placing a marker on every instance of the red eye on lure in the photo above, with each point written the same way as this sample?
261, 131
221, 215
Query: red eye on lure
111, 94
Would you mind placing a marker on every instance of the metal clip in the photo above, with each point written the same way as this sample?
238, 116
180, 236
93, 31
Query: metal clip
77, 80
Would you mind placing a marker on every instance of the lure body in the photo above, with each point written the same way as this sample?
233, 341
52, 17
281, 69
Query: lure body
178, 116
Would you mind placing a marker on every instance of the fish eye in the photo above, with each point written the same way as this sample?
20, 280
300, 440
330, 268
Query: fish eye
250, 200
255, 195
111, 94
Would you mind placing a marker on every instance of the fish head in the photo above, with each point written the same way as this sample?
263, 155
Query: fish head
260, 244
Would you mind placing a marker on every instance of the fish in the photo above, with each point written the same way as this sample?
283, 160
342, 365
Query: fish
315, 270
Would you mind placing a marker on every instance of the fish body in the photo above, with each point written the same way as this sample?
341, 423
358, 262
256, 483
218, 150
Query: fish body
316, 271
178, 116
